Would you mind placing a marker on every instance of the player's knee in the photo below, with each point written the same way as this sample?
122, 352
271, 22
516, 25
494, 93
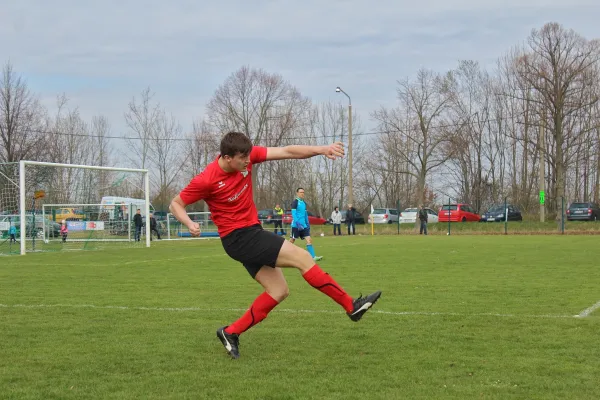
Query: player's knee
294, 256
280, 293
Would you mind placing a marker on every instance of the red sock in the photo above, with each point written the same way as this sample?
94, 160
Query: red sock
258, 311
321, 280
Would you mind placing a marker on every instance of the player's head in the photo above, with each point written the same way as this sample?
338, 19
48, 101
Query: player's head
277, 206
138, 211
300, 192
336, 208
235, 150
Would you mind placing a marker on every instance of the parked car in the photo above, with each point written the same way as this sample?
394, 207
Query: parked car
583, 212
312, 218
266, 216
384, 216
457, 213
496, 213
51, 227
358, 217
410, 215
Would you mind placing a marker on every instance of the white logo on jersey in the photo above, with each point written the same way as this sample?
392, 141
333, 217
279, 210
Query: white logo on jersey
234, 198
221, 184
245, 173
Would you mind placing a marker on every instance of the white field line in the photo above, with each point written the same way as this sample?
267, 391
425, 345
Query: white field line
588, 310
282, 310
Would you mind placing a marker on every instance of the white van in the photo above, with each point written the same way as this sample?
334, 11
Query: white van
121, 208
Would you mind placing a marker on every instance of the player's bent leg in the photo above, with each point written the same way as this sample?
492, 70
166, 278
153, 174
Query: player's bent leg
276, 290
295, 257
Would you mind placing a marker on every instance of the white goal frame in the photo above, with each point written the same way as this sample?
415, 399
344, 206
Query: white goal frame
22, 192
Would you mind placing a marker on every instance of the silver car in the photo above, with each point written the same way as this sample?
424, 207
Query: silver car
384, 216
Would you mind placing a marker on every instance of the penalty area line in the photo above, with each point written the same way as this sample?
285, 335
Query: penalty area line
588, 311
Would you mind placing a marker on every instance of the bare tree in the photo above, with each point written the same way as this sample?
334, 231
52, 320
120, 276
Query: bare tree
143, 119
201, 150
166, 152
101, 151
22, 134
415, 142
559, 67
478, 151
249, 100
21, 119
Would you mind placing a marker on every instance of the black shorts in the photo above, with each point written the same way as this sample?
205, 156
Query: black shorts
253, 247
300, 233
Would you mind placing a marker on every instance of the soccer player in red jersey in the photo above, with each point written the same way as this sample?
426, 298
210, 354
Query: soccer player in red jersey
226, 186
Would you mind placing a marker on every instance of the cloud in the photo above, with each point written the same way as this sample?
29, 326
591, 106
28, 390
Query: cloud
103, 53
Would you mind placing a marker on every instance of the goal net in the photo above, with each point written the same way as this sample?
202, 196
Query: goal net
176, 230
59, 207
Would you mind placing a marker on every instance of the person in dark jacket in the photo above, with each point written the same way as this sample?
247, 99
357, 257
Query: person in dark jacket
423, 217
137, 221
351, 219
153, 227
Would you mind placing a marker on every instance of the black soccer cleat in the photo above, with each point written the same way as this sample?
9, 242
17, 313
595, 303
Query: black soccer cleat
231, 342
362, 305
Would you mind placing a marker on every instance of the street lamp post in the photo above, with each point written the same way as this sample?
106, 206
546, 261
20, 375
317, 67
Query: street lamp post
350, 187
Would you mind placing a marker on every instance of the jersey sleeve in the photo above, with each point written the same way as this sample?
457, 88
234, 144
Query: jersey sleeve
258, 154
294, 213
196, 190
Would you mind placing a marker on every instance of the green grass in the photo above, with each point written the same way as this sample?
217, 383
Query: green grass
460, 317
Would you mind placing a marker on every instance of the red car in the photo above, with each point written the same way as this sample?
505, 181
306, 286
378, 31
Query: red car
312, 219
457, 213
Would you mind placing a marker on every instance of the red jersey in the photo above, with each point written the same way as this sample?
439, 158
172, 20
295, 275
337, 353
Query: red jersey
228, 194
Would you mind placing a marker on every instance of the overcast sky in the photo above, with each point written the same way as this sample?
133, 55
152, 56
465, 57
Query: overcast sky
102, 53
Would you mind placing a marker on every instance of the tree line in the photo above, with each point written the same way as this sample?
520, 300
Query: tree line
469, 134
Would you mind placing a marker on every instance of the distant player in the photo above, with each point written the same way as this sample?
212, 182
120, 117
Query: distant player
226, 186
300, 225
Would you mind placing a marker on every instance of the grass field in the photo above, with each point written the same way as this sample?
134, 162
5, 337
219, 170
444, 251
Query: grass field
462, 317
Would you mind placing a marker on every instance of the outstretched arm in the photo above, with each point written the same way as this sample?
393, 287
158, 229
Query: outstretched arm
177, 208
331, 151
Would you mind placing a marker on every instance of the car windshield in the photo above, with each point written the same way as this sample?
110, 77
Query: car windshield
451, 207
580, 205
496, 208
379, 211
409, 210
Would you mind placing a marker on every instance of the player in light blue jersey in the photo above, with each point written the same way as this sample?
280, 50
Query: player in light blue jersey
300, 224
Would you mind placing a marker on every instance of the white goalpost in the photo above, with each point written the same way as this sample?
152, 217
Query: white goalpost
55, 194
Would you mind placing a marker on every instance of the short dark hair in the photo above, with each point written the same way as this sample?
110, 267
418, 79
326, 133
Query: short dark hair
234, 143
299, 189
